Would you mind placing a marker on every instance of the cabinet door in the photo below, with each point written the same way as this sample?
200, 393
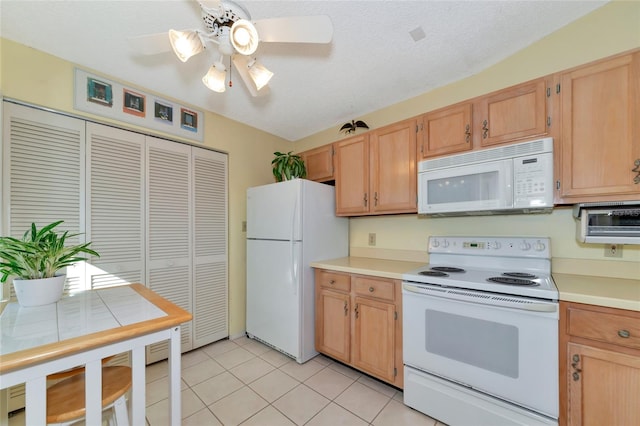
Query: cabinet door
43, 177
374, 337
352, 175
446, 131
210, 257
511, 114
604, 387
332, 324
601, 130
393, 169
115, 205
169, 245
319, 163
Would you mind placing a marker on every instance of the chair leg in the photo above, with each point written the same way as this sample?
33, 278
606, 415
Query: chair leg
121, 412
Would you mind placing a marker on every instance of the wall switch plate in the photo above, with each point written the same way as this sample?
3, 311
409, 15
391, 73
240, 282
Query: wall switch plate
613, 250
372, 239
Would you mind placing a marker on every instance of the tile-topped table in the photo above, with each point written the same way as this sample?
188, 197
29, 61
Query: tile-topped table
81, 330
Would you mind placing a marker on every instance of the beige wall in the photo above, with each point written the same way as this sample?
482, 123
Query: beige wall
609, 30
32, 76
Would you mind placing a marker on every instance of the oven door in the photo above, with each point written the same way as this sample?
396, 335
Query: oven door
503, 346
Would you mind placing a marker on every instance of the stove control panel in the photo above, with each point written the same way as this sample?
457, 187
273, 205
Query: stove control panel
492, 246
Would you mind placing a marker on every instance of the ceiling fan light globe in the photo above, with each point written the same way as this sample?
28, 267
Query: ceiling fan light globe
244, 37
186, 44
215, 78
259, 74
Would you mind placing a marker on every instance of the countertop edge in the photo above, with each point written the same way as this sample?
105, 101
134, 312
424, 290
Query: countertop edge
622, 293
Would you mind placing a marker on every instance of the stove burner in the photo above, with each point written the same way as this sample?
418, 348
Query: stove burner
447, 269
519, 275
433, 273
512, 281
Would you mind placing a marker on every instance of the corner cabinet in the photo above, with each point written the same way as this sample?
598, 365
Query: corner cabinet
599, 365
358, 322
376, 171
319, 163
600, 143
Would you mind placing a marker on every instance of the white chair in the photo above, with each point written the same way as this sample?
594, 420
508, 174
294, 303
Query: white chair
66, 399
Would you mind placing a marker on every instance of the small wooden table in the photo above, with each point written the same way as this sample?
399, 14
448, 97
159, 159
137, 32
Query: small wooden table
82, 329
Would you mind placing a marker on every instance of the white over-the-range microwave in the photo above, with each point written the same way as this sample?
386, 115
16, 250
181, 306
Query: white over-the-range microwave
515, 178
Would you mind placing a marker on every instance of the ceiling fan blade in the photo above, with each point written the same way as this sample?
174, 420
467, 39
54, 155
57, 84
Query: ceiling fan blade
295, 29
150, 44
241, 63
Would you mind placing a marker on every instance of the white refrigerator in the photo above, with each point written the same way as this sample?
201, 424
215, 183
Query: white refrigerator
289, 225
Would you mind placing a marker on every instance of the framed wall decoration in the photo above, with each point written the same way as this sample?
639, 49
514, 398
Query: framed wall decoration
99, 92
107, 98
133, 103
163, 112
188, 120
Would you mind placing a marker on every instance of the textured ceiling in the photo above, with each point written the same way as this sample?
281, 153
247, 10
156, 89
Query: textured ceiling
372, 62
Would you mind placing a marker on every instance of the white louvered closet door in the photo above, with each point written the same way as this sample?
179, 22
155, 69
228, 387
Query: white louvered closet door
169, 242
115, 205
43, 175
210, 310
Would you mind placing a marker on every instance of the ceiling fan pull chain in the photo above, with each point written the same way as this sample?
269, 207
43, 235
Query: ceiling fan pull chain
230, 82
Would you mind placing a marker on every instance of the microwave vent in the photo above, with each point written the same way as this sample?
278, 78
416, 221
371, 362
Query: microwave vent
509, 151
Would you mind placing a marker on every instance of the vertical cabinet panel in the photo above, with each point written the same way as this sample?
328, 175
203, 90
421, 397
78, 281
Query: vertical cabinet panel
169, 245
210, 309
393, 168
601, 130
115, 205
43, 177
352, 175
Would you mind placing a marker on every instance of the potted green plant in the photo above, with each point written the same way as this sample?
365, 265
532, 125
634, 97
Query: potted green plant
288, 166
35, 260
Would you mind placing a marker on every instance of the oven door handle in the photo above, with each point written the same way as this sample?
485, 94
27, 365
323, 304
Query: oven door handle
535, 307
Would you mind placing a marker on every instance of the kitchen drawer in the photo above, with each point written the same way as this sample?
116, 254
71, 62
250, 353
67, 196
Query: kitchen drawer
609, 328
370, 287
334, 281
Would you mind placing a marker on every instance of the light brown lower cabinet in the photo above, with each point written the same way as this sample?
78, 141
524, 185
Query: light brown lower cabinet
359, 322
599, 365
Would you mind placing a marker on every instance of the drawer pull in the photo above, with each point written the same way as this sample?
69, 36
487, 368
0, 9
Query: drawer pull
370, 289
624, 334
332, 282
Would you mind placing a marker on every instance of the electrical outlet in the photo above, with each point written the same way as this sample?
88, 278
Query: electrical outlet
613, 250
372, 239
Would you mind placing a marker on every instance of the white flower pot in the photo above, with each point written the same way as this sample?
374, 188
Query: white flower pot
39, 292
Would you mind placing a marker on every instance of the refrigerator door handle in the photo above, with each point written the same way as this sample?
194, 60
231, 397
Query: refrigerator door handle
294, 269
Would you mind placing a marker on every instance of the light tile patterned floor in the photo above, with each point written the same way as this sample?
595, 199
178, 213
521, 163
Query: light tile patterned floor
242, 381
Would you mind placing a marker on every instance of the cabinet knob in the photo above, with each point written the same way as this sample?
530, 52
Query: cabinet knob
370, 289
332, 282
624, 334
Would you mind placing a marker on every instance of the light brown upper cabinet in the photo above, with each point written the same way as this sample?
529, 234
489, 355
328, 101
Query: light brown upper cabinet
446, 131
512, 114
319, 163
376, 172
600, 139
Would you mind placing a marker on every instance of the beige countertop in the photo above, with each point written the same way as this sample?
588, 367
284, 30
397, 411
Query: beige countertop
368, 266
603, 291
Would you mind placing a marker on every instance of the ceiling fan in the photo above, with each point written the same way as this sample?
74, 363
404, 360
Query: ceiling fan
229, 26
